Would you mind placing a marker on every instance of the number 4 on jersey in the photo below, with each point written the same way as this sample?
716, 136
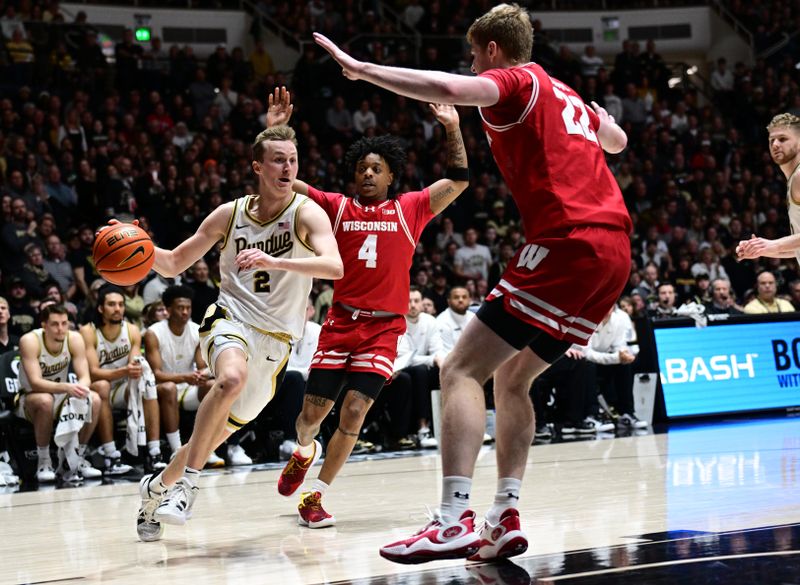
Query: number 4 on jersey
369, 251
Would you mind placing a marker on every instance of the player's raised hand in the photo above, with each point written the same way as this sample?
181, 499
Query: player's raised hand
446, 114
279, 107
351, 68
253, 258
602, 113
112, 223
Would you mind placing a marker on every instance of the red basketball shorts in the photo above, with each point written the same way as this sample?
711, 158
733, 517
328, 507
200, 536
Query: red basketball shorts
364, 344
566, 285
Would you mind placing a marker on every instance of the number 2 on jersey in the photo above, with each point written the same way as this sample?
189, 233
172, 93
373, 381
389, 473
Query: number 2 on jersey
581, 127
261, 281
369, 251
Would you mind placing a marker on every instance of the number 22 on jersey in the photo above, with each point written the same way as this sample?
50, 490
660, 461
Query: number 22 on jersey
581, 126
369, 251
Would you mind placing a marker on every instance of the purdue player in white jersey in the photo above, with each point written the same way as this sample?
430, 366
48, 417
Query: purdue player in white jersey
46, 355
113, 347
784, 148
273, 243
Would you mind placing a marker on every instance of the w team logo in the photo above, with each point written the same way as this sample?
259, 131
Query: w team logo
453, 531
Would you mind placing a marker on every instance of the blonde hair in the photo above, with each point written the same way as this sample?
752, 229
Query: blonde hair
510, 27
275, 133
785, 119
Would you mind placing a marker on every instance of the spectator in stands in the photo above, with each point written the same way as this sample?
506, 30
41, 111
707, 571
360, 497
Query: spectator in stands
364, 118
665, 305
15, 235
8, 341
591, 62
455, 318
339, 119
794, 294
23, 315
262, 62
34, 274
722, 79
56, 265
766, 300
722, 300
472, 260
205, 292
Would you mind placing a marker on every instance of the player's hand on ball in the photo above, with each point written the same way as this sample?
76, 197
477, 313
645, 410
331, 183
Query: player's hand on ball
279, 107
446, 114
112, 223
252, 258
351, 68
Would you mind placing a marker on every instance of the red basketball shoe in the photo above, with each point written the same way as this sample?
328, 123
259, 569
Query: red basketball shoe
436, 541
503, 540
295, 470
312, 514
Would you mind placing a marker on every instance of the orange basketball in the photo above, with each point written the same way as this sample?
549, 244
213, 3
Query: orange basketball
123, 254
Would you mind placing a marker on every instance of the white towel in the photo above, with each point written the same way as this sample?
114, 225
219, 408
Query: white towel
75, 412
142, 388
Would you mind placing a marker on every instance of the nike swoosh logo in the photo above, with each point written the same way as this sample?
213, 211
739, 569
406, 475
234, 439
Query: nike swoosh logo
269, 359
241, 227
139, 250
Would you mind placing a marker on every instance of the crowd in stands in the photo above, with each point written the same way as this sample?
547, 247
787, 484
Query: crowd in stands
163, 136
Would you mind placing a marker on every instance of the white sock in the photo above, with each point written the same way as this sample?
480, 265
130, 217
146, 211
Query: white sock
156, 485
507, 496
305, 451
108, 448
455, 497
319, 486
193, 475
44, 455
174, 440
154, 448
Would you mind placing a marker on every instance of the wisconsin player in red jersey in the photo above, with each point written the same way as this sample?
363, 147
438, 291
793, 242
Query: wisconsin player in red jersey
549, 147
377, 234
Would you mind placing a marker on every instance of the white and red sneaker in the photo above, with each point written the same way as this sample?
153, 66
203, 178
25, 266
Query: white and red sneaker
436, 541
503, 540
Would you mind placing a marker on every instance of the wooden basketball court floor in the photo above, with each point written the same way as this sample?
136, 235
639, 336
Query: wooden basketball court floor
712, 503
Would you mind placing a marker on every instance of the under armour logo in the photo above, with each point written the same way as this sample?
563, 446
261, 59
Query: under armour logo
461, 496
370, 208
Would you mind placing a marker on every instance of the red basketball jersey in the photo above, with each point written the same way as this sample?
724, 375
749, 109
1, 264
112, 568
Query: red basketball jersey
376, 243
542, 136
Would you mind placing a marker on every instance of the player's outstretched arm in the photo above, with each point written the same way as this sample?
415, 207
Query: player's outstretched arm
612, 138
279, 111
171, 263
756, 247
313, 227
444, 191
428, 86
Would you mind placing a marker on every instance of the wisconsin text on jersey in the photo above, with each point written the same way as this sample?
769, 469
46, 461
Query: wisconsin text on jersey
369, 226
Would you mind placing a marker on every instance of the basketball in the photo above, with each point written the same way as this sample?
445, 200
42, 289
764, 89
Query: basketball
123, 254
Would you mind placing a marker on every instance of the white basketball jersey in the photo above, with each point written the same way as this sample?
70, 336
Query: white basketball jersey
113, 353
55, 367
177, 353
794, 209
271, 300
